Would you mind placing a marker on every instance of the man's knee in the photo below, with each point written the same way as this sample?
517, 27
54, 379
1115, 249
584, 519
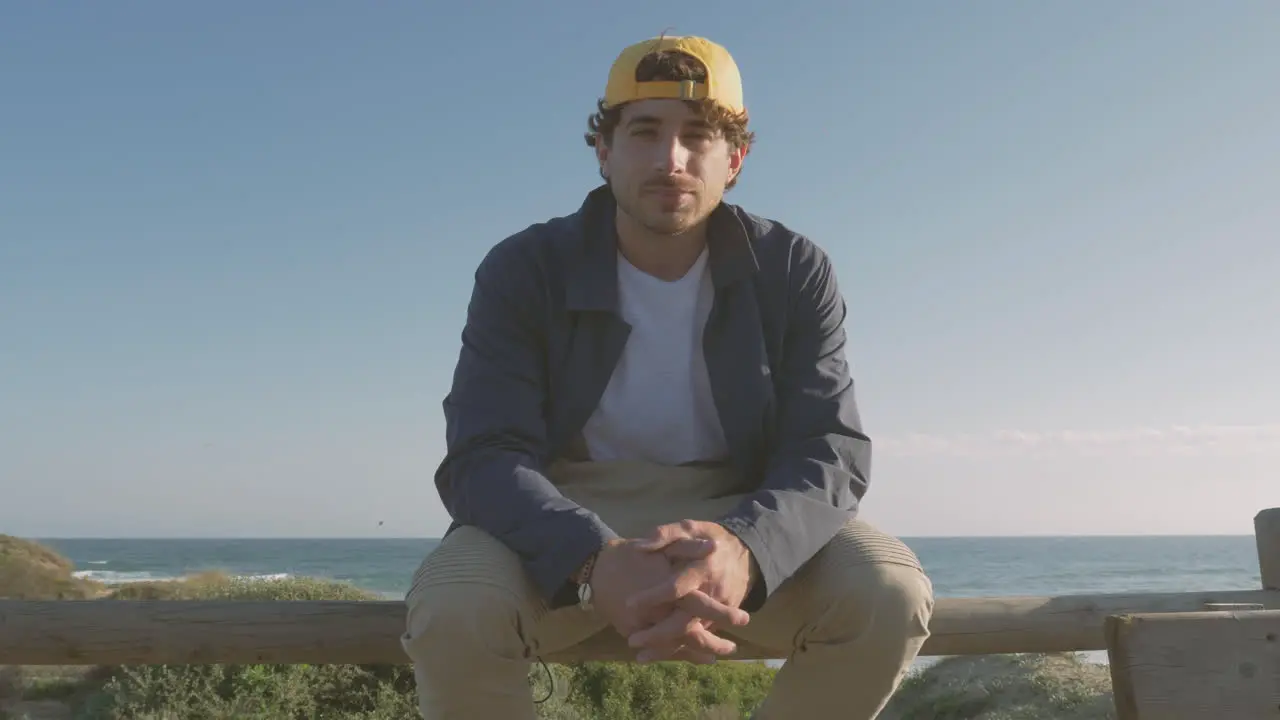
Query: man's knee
900, 597
465, 639
874, 585
469, 597
450, 622
881, 598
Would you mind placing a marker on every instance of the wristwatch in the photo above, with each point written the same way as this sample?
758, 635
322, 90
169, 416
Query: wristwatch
583, 580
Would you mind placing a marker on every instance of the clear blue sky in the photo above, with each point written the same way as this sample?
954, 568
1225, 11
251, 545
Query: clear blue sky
236, 243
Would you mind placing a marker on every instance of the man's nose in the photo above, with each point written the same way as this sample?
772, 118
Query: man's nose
673, 156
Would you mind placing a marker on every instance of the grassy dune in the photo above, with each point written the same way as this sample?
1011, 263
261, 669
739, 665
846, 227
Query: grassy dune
1006, 687
990, 688
30, 571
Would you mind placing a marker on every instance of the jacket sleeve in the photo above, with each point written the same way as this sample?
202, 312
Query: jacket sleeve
819, 468
492, 476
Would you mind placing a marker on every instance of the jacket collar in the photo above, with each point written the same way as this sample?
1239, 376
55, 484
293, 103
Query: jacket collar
593, 279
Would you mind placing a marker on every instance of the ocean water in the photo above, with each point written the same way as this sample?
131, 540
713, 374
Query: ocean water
958, 567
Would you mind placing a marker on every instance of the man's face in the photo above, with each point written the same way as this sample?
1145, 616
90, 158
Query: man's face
668, 169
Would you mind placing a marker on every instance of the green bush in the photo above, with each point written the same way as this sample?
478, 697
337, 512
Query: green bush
255, 692
667, 691
251, 692
593, 691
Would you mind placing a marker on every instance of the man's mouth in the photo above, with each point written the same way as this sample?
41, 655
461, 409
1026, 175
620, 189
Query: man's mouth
669, 191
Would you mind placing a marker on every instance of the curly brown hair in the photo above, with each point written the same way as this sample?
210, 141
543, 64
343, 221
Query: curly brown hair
672, 65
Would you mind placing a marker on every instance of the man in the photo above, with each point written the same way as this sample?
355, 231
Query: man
652, 433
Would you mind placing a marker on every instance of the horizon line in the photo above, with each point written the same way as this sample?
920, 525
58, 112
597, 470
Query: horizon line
1047, 536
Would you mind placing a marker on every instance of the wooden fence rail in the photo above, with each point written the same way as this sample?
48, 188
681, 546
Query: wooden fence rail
116, 632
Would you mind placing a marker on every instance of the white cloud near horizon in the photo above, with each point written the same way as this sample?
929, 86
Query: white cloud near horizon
1202, 440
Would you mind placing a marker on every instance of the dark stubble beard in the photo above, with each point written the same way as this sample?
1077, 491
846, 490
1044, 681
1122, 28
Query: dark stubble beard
636, 213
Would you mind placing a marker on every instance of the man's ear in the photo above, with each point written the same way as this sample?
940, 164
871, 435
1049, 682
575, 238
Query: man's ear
602, 155
737, 156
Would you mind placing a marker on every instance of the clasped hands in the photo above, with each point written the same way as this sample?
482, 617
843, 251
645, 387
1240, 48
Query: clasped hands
666, 592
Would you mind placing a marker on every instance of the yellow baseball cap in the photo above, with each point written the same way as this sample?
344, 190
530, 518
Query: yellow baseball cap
723, 85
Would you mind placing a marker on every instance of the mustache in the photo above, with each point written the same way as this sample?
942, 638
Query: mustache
668, 183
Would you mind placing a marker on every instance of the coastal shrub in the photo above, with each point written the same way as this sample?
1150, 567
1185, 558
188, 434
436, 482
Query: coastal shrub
668, 691
31, 571
221, 586
1006, 687
604, 691
254, 692
214, 692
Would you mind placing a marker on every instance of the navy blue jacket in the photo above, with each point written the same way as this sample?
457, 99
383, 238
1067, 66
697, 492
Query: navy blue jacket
542, 337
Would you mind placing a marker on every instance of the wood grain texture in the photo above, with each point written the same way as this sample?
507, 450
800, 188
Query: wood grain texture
117, 632
1193, 666
1266, 526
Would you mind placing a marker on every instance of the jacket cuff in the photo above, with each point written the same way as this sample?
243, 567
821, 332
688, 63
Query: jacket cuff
770, 577
782, 538
553, 569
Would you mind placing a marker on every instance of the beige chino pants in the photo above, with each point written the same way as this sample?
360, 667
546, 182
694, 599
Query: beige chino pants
849, 623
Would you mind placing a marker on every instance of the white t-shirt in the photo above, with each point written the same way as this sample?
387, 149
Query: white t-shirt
658, 406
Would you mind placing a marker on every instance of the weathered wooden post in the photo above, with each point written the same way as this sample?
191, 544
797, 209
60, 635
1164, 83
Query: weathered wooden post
1197, 665
1266, 528
1223, 663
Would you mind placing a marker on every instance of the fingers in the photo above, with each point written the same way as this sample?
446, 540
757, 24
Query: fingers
661, 537
678, 628
701, 647
664, 535
678, 652
700, 604
667, 591
689, 548
666, 632
697, 657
